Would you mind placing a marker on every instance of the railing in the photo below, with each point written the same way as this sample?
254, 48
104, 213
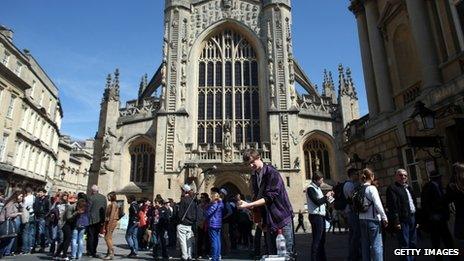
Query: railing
410, 94
215, 153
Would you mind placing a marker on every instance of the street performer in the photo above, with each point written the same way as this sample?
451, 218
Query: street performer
271, 196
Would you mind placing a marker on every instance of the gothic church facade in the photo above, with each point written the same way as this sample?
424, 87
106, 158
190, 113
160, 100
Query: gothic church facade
228, 81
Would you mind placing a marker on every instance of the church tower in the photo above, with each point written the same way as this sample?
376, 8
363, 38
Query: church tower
276, 33
347, 96
328, 87
102, 168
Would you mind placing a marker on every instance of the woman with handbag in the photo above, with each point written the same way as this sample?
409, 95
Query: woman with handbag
81, 213
111, 221
8, 227
68, 225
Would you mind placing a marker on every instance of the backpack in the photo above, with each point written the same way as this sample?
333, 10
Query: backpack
341, 201
358, 200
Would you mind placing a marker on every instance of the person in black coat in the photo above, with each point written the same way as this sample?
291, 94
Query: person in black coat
455, 195
436, 209
97, 214
402, 206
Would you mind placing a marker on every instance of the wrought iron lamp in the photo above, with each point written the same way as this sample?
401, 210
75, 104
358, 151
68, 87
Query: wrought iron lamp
424, 117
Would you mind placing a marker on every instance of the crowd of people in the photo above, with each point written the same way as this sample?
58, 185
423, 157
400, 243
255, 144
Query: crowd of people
204, 226
369, 218
209, 225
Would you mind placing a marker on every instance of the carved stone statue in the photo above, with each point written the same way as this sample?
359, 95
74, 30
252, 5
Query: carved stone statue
273, 95
227, 4
182, 94
107, 155
296, 163
227, 137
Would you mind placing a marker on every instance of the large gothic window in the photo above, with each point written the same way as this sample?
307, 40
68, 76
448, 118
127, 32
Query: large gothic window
142, 162
316, 158
228, 98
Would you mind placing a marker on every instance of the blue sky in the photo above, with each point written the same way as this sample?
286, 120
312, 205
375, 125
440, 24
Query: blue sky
79, 42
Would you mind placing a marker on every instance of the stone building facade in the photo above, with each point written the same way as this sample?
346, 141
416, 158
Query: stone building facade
411, 52
73, 165
30, 119
228, 81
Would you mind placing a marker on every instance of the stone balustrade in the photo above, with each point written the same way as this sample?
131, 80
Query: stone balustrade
215, 153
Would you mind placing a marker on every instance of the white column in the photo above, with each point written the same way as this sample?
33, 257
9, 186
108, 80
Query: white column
369, 78
425, 44
379, 58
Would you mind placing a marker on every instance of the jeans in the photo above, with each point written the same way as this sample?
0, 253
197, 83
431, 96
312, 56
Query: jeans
41, 233
9, 244
185, 237
354, 236
28, 236
63, 247
131, 238
287, 232
55, 236
371, 240
407, 236
161, 241
318, 243
77, 242
215, 237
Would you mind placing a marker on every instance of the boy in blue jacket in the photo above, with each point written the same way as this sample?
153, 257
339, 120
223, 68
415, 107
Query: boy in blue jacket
213, 216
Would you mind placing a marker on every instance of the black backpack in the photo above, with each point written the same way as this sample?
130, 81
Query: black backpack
340, 201
358, 200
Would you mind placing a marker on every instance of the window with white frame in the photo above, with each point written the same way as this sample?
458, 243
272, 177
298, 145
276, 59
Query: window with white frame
1, 94
18, 69
6, 58
9, 112
457, 11
412, 167
3, 142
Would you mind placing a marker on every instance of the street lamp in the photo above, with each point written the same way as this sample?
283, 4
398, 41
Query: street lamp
424, 117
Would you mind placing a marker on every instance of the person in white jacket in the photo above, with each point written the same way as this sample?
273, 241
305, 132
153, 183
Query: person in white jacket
371, 221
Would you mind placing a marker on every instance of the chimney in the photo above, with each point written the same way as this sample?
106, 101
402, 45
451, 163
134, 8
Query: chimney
7, 32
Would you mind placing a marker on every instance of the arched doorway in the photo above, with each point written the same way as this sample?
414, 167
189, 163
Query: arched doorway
232, 190
234, 182
319, 155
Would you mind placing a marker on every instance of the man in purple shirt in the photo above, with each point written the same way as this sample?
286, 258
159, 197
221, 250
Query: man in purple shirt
271, 195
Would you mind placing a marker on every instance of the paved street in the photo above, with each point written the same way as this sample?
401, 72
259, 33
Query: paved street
335, 247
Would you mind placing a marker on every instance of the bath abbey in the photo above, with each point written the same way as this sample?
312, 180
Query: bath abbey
228, 81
